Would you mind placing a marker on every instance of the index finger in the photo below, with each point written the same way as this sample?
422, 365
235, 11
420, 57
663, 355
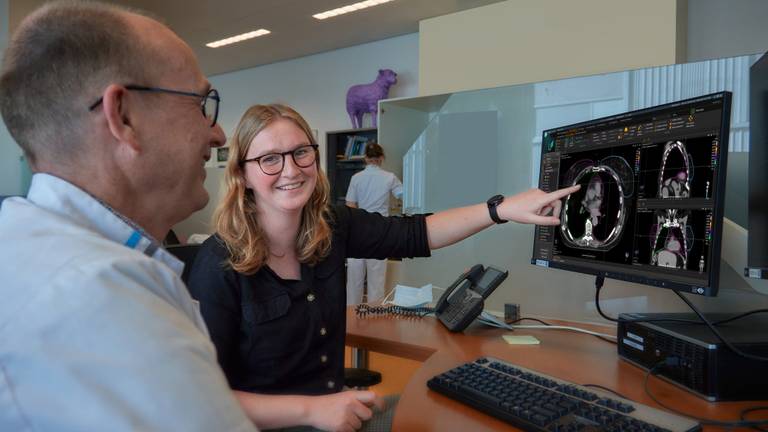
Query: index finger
556, 195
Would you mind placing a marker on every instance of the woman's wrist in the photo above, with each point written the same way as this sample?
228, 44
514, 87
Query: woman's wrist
305, 411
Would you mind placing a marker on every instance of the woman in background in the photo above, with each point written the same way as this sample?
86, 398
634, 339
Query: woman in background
271, 281
369, 190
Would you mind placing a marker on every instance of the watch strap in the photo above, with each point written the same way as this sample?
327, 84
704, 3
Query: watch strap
492, 204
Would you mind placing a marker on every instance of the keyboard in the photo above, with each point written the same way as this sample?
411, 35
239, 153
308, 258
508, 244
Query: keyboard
533, 401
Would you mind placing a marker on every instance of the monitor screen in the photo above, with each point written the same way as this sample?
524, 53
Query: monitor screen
650, 206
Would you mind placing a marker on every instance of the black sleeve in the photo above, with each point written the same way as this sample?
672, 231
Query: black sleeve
371, 235
215, 287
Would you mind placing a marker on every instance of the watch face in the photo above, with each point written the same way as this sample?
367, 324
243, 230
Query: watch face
495, 200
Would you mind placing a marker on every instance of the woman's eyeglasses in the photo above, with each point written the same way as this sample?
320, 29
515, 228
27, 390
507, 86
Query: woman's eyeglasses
273, 163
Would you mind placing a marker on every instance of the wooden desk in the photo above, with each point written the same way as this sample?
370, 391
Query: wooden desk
576, 357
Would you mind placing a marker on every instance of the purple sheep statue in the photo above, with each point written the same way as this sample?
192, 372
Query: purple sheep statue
364, 98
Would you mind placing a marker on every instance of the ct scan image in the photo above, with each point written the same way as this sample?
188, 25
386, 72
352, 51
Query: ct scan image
675, 239
595, 218
677, 169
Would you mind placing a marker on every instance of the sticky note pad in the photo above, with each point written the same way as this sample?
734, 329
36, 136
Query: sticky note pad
521, 340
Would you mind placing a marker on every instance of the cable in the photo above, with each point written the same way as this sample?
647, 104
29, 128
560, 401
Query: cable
599, 285
673, 361
744, 412
556, 327
607, 338
492, 320
530, 319
606, 389
599, 280
364, 309
717, 333
734, 318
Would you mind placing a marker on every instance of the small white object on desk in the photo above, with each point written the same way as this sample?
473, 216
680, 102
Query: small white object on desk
412, 297
521, 340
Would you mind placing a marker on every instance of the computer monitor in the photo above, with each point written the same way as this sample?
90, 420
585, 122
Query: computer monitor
757, 256
650, 207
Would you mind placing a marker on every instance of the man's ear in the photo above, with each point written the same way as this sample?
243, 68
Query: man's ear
118, 115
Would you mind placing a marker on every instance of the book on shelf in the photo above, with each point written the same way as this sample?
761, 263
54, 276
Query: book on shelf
355, 148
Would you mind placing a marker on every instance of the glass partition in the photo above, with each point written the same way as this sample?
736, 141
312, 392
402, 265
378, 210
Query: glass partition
461, 148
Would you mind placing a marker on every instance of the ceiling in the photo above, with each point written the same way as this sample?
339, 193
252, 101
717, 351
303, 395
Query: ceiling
294, 32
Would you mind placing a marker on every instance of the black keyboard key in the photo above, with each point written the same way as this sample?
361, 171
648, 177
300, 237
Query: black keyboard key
539, 419
545, 412
625, 408
559, 410
479, 395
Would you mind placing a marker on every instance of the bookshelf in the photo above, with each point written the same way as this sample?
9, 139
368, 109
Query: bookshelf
345, 151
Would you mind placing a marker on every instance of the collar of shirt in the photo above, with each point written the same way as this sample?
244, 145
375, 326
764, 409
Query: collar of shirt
372, 167
60, 196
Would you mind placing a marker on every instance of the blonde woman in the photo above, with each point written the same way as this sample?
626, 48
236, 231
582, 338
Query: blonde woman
271, 282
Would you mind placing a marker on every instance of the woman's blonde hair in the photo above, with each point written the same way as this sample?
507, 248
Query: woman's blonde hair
235, 218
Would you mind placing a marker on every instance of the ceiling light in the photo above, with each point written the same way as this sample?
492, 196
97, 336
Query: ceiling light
349, 8
238, 38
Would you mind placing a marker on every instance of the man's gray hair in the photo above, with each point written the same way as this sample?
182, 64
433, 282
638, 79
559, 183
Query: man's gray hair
57, 64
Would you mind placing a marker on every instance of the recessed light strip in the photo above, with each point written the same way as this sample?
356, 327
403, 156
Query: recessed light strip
238, 38
349, 8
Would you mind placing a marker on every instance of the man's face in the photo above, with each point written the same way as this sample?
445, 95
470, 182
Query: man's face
176, 134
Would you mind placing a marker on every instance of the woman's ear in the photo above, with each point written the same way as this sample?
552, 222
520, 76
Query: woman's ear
247, 186
117, 112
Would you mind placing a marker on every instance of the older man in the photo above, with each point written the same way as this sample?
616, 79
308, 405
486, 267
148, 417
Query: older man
97, 331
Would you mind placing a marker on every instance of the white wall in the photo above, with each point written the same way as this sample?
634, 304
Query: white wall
519, 41
316, 86
10, 153
719, 28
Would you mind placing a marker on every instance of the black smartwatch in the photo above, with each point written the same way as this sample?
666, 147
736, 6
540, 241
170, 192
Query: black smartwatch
494, 202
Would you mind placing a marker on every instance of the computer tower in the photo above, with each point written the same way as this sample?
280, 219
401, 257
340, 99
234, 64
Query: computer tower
704, 365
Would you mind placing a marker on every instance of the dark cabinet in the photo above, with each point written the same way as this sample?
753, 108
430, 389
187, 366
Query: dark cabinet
345, 157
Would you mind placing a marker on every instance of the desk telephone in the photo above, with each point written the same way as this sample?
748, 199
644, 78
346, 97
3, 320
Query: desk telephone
463, 301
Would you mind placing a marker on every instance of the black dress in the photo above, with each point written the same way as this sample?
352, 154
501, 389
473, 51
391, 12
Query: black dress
287, 336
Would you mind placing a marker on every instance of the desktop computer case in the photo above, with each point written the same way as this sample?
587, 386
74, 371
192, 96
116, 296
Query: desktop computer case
705, 366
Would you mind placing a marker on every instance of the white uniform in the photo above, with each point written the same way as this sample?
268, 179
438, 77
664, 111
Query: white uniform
370, 189
97, 330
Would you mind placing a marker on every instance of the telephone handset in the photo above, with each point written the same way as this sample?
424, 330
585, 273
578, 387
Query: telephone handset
463, 301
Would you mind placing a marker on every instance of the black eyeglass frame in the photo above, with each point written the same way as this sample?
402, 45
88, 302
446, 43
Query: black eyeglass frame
211, 94
282, 155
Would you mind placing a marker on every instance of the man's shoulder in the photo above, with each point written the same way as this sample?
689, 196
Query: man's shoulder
357, 176
94, 271
111, 327
113, 337
74, 267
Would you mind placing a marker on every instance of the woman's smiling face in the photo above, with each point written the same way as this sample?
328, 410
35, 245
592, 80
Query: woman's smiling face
289, 190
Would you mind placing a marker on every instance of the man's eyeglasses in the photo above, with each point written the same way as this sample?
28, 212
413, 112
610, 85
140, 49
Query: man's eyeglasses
209, 102
273, 163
